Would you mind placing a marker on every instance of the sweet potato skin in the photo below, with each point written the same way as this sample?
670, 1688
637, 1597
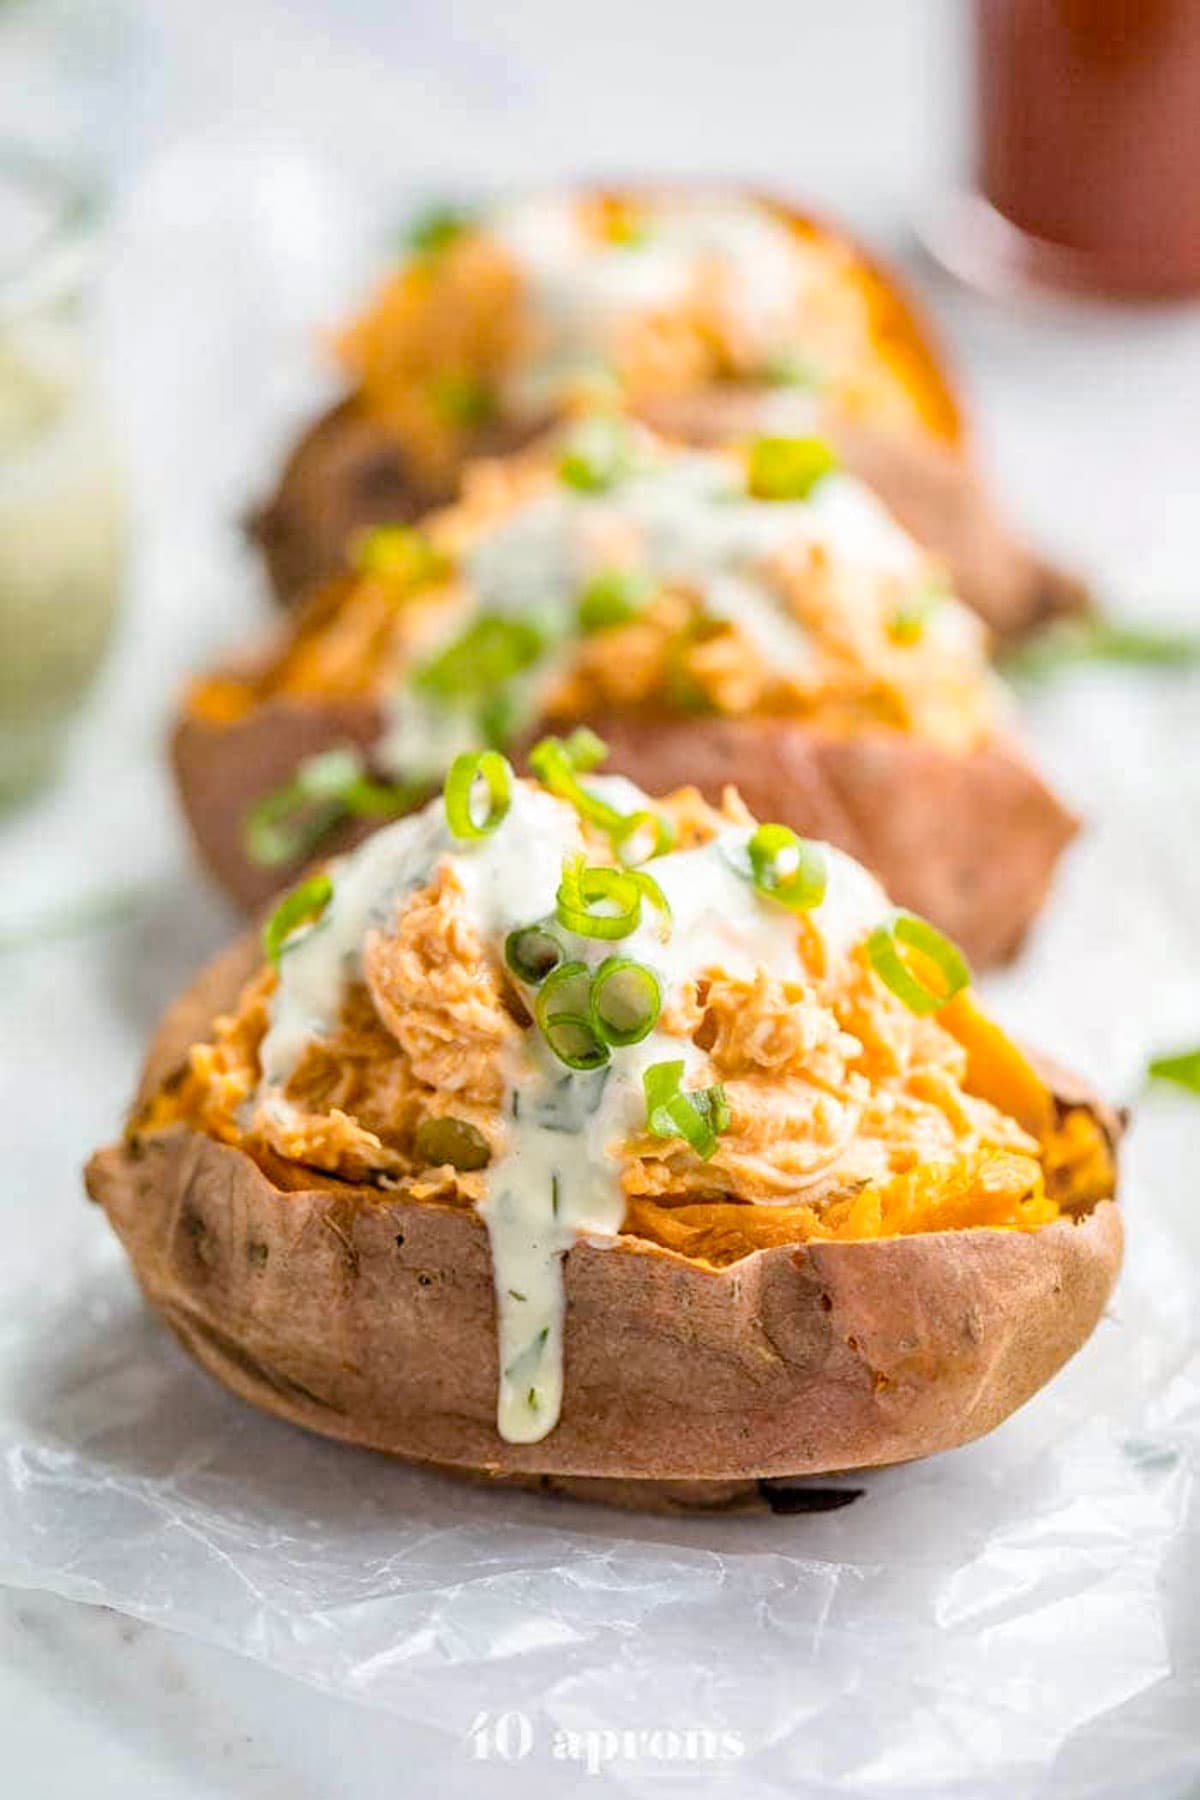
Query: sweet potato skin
346, 471
371, 1319
968, 841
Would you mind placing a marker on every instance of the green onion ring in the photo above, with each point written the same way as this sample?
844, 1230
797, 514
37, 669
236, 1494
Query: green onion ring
892, 969
636, 825
698, 1117
496, 773
532, 953
625, 1001
789, 468
583, 888
556, 761
561, 1010
303, 905
801, 889
289, 822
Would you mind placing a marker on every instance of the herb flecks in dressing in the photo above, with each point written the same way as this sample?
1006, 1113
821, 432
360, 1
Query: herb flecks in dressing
557, 1176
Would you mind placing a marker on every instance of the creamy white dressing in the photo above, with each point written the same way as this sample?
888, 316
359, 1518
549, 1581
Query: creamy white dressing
581, 288
682, 518
557, 1178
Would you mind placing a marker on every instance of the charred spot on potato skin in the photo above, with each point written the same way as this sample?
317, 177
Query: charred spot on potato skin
199, 1238
788, 1502
424, 1279
399, 1240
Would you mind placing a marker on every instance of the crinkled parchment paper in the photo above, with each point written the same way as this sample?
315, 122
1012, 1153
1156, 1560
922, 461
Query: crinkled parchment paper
1019, 1617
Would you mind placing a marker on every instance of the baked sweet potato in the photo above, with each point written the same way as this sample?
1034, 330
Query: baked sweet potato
894, 749
385, 452
719, 1341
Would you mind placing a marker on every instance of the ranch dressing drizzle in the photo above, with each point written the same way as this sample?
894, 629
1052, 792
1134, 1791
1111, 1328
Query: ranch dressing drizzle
581, 288
683, 518
557, 1178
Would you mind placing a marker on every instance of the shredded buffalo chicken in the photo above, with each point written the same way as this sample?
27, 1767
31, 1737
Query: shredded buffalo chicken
849, 1116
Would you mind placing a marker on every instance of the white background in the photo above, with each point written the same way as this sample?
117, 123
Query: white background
253, 145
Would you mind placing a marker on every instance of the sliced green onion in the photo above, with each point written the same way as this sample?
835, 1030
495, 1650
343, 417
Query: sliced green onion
490, 652
301, 906
532, 953
289, 822
788, 868
908, 621
1183, 1069
561, 1010
582, 889
463, 399
495, 771
642, 835
399, 553
786, 368
555, 762
436, 228
625, 1001
613, 599
903, 928
453, 1141
788, 468
501, 718
598, 454
698, 1117
584, 749
1073, 643
650, 890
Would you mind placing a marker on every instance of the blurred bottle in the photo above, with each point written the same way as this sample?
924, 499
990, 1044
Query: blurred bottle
1088, 149
61, 502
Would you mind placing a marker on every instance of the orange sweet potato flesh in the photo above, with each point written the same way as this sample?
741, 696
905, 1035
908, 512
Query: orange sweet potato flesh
349, 471
371, 1318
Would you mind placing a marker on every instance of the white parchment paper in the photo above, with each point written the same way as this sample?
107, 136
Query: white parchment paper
1020, 1617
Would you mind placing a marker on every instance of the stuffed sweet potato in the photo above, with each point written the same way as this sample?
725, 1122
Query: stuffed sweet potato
709, 313
653, 1182
751, 616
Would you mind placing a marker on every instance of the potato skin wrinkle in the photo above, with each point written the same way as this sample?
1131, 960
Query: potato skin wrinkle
899, 426
371, 1318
